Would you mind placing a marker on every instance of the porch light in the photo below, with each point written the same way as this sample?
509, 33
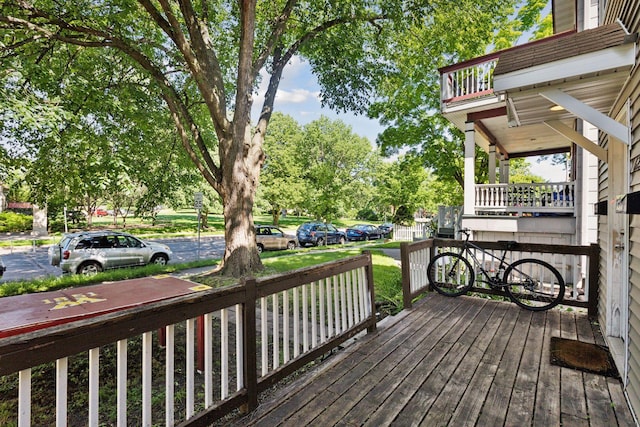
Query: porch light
556, 108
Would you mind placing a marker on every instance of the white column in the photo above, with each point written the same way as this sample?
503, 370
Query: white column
492, 164
469, 169
504, 171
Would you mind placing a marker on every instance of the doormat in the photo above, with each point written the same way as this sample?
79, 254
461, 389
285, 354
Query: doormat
582, 356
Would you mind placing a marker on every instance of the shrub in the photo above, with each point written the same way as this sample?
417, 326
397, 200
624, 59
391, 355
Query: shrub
12, 222
367, 214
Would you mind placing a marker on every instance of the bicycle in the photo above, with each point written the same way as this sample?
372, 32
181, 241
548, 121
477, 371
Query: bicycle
531, 283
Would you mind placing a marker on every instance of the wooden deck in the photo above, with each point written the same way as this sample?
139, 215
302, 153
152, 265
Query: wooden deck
453, 362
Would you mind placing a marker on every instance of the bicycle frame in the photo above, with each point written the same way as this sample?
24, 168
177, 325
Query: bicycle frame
493, 281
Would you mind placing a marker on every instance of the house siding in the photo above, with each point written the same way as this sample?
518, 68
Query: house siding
603, 235
629, 13
633, 390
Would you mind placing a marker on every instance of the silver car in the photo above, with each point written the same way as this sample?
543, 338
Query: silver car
91, 252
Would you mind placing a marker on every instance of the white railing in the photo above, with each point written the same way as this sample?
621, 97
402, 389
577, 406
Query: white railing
532, 198
188, 359
468, 81
421, 229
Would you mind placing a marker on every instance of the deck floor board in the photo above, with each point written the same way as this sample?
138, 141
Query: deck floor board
452, 362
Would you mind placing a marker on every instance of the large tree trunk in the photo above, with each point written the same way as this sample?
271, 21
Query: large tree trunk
239, 183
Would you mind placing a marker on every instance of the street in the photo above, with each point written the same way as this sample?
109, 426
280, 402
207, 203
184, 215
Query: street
27, 262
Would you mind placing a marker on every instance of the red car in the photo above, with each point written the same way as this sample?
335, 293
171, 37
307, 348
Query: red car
101, 212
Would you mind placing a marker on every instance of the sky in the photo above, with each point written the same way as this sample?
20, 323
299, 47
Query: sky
299, 97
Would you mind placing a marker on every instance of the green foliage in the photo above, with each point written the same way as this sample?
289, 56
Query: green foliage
335, 165
404, 182
367, 214
13, 222
403, 216
282, 184
520, 171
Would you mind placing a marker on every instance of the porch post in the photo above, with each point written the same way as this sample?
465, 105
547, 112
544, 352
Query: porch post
492, 164
504, 170
469, 169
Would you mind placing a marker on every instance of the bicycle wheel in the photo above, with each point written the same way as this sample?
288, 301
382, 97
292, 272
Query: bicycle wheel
450, 274
534, 284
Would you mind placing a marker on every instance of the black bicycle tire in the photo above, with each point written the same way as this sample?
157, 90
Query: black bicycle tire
518, 298
431, 272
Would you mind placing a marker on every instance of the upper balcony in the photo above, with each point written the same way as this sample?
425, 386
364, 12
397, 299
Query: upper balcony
524, 99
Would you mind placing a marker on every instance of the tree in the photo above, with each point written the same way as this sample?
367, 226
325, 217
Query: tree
203, 60
281, 183
403, 182
335, 161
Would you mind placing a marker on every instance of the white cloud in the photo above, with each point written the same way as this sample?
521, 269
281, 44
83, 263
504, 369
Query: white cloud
296, 96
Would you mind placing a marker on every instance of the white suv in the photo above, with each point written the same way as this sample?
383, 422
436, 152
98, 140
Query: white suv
93, 251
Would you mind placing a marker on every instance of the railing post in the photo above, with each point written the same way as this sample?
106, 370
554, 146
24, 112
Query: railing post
250, 346
594, 280
406, 275
372, 296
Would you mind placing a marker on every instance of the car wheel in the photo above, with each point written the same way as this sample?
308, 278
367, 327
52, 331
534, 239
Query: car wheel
320, 241
90, 268
160, 259
260, 249
291, 245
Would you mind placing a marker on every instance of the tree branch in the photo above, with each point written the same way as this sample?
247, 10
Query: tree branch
205, 67
279, 27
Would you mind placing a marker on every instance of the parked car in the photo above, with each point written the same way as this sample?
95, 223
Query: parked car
269, 237
101, 212
3, 268
387, 229
90, 252
364, 232
317, 233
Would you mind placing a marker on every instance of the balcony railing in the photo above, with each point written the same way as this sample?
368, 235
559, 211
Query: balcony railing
544, 198
469, 79
251, 337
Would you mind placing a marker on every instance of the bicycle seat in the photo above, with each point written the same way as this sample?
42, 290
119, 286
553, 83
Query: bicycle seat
510, 244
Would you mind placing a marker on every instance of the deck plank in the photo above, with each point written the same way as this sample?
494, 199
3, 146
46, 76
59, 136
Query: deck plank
452, 362
521, 406
573, 406
497, 403
547, 409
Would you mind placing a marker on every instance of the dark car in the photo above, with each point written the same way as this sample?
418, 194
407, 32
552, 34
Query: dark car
387, 229
270, 237
364, 232
317, 233
2, 268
